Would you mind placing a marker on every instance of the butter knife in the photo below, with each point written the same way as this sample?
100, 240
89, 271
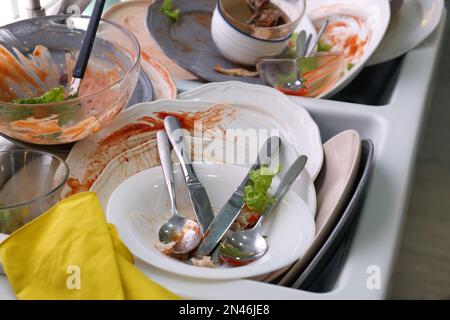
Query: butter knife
199, 197
235, 203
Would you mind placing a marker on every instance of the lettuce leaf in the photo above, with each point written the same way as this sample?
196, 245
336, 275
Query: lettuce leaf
255, 192
53, 95
168, 10
322, 46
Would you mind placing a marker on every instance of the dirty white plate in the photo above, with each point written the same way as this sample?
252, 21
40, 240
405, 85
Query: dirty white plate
251, 107
140, 205
413, 23
356, 27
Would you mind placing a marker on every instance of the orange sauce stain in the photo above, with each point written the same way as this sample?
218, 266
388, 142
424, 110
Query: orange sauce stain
125, 138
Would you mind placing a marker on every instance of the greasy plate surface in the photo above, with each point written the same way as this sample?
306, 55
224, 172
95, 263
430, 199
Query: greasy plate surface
125, 165
188, 42
146, 193
139, 124
412, 24
131, 14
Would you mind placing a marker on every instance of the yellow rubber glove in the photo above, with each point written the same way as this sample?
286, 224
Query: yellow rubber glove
70, 252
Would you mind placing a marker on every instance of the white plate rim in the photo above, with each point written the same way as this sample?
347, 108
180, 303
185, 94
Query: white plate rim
231, 93
382, 54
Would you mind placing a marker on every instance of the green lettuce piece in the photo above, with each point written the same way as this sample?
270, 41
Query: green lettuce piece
350, 66
291, 49
53, 95
168, 9
308, 64
322, 46
230, 250
255, 192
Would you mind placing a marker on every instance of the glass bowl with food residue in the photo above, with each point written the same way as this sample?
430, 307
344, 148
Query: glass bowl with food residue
37, 57
244, 30
307, 76
30, 183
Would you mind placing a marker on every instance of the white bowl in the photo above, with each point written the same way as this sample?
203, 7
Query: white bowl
290, 227
239, 47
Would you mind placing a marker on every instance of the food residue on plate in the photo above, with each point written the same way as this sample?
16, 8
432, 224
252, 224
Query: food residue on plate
205, 262
168, 9
345, 33
187, 237
235, 72
137, 132
266, 14
258, 13
256, 198
318, 75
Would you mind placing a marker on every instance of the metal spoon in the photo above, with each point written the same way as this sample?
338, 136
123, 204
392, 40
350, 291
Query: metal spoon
302, 45
306, 51
243, 247
301, 41
306, 47
184, 232
310, 50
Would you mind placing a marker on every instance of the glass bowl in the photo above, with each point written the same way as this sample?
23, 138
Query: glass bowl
40, 54
30, 183
316, 74
234, 12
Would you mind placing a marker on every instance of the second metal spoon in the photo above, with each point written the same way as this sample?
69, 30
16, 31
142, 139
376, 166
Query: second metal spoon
243, 247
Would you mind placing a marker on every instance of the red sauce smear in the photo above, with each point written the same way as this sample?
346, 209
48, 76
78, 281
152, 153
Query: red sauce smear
120, 140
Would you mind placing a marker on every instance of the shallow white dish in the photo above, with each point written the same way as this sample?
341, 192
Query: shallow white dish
290, 227
413, 23
373, 19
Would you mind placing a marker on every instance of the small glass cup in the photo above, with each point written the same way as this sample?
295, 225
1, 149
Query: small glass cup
30, 184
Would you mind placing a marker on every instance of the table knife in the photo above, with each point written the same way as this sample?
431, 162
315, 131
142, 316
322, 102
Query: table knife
235, 203
198, 195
